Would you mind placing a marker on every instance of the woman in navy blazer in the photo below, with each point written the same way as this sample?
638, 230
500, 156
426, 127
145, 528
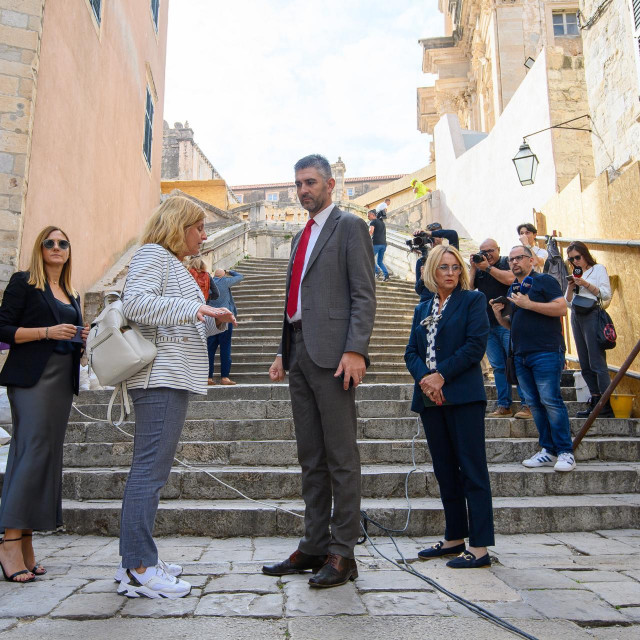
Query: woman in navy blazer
40, 314
448, 340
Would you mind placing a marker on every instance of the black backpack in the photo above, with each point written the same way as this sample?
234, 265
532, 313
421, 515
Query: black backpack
554, 264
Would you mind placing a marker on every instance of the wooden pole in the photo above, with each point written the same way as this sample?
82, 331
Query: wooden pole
606, 395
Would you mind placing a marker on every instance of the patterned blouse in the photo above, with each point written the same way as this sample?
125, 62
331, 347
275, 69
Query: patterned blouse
430, 323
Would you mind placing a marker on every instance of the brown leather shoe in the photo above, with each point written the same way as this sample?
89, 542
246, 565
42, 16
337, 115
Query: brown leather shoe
337, 570
297, 562
501, 412
524, 414
227, 382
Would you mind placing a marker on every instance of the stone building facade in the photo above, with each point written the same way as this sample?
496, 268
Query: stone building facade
612, 71
183, 162
480, 62
81, 100
285, 192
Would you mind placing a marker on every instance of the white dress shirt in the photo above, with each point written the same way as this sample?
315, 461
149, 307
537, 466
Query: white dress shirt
596, 275
316, 228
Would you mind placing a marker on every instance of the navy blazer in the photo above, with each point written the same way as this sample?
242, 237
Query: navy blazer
461, 341
25, 306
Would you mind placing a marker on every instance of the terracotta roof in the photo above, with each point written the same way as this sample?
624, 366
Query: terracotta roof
273, 185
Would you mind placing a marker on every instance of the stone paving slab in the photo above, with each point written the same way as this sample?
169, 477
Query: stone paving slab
543, 583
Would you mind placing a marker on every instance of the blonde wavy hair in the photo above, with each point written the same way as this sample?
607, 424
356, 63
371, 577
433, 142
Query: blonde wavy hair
430, 266
169, 222
37, 274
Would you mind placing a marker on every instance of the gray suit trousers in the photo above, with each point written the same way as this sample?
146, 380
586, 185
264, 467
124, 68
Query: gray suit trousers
324, 415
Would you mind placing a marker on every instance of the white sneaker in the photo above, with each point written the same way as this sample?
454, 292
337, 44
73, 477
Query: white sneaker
540, 459
566, 462
172, 569
160, 585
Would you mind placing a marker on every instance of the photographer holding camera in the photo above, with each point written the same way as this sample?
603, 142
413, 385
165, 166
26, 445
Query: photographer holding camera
491, 275
423, 241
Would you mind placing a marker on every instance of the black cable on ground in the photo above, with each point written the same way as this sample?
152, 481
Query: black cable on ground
405, 566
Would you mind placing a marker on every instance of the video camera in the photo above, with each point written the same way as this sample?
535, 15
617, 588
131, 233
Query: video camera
420, 242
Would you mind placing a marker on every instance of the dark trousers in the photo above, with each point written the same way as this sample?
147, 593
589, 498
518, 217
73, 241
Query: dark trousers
593, 359
455, 434
223, 340
324, 415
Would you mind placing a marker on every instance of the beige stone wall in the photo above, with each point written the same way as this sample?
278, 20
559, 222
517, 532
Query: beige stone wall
610, 212
20, 35
572, 149
612, 78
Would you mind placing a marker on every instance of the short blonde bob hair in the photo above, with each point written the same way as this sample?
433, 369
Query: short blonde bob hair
169, 222
37, 275
435, 256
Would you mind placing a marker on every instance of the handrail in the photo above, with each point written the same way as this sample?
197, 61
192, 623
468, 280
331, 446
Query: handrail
596, 241
606, 395
629, 374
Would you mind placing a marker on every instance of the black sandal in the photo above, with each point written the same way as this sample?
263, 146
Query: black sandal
37, 570
12, 577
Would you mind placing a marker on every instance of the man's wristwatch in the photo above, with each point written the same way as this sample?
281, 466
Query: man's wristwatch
488, 269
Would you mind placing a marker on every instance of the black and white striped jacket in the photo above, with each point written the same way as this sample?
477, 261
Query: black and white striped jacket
167, 319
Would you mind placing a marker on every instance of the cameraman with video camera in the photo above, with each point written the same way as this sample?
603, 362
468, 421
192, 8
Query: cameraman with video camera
491, 274
422, 241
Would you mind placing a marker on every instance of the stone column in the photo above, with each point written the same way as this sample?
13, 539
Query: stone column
338, 170
20, 36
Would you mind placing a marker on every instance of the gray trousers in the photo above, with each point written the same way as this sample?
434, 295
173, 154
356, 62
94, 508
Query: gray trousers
593, 360
160, 416
324, 415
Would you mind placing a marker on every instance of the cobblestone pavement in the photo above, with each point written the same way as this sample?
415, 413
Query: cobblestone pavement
558, 585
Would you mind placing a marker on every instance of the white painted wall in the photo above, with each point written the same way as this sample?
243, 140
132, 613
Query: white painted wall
480, 194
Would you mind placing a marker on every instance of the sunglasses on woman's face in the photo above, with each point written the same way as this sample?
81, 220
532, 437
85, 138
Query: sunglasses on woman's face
49, 243
572, 259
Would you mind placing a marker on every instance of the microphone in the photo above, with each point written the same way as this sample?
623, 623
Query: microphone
526, 285
577, 273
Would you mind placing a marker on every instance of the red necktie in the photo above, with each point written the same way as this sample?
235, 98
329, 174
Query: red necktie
296, 271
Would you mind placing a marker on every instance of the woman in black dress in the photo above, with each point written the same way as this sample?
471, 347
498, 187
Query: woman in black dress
39, 316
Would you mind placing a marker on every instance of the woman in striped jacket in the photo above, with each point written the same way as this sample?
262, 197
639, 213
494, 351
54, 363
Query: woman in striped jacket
166, 302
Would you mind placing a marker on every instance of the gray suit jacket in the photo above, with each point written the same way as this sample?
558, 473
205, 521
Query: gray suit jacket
338, 292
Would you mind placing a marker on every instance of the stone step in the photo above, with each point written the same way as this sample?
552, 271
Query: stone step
265, 325
284, 453
378, 481
267, 358
368, 428
260, 409
227, 518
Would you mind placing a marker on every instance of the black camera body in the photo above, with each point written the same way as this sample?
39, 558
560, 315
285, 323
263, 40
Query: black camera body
479, 257
419, 241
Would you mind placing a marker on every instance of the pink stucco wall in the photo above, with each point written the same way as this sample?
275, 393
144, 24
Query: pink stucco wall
87, 172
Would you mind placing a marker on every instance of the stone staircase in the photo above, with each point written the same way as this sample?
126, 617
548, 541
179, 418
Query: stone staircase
244, 435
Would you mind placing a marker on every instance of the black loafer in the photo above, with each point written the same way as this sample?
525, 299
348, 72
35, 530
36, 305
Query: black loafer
437, 551
337, 570
297, 562
466, 560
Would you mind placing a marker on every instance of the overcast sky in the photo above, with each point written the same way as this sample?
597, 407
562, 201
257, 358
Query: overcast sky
265, 82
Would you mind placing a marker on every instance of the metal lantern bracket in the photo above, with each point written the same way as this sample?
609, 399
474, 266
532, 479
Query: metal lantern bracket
561, 125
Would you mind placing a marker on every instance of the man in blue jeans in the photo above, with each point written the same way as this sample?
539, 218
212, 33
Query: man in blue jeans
378, 233
223, 280
491, 274
538, 346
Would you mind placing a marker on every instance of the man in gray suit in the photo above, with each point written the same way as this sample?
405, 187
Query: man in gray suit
329, 315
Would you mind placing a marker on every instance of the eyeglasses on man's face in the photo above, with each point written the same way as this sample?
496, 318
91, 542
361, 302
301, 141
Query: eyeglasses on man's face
445, 268
518, 258
49, 243
572, 259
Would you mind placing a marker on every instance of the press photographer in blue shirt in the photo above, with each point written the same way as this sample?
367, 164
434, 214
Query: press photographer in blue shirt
536, 306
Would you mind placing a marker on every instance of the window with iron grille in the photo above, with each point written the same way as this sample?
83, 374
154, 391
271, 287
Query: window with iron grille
96, 5
565, 23
148, 128
155, 12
